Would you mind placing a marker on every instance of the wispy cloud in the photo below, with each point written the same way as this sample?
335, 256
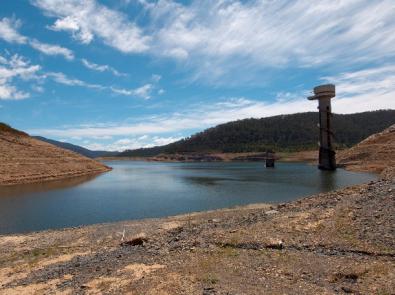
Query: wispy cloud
256, 34
216, 38
50, 49
12, 68
141, 92
9, 33
63, 79
363, 90
101, 68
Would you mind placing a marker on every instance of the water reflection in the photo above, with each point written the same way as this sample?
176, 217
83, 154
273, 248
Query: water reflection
327, 180
19, 190
207, 180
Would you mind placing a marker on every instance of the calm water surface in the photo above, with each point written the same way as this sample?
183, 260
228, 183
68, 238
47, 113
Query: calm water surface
135, 190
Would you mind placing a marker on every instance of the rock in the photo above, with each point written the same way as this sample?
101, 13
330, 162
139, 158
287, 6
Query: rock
271, 212
347, 290
275, 244
138, 241
209, 291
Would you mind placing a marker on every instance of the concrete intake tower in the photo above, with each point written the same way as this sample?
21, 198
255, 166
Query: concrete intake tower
324, 94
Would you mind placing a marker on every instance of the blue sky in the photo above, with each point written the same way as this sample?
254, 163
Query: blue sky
136, 73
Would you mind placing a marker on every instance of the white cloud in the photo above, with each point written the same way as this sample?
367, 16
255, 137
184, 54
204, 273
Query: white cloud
38, 88
11, 93
156, 78
87, 19
63, 79
362, 90
143, 91
101, 68
13, 68
50, 49
9, 31
69, 24
130, 143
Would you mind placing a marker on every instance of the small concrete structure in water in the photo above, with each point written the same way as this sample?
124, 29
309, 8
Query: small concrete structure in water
270, 159
324, 94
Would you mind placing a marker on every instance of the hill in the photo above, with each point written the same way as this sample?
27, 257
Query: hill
372, 154
24, 159
282, 133
77, 149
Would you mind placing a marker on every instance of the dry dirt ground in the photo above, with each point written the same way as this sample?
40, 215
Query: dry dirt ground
372, 154
26, 160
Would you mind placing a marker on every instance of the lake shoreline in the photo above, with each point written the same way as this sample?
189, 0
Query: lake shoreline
308, 156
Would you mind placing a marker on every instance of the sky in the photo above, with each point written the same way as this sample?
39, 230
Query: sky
125, 74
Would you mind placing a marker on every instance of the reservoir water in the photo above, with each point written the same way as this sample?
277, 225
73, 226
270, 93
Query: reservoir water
135, 190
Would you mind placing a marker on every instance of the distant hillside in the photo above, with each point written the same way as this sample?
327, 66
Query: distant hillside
78, 149
282, 133
24, 159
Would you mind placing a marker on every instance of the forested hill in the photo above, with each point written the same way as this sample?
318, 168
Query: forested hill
281, 133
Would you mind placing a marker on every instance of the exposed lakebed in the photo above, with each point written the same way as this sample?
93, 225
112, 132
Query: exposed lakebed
135, 190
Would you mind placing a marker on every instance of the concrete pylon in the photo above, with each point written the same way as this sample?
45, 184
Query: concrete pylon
324, 94
270, 159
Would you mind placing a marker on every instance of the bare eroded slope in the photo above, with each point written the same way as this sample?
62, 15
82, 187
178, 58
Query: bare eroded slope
375, 153
24, 159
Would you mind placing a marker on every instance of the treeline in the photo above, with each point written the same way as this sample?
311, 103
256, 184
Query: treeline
280, 133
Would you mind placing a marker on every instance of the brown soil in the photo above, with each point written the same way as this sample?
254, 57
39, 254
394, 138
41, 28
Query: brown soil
375, 153
26, 160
